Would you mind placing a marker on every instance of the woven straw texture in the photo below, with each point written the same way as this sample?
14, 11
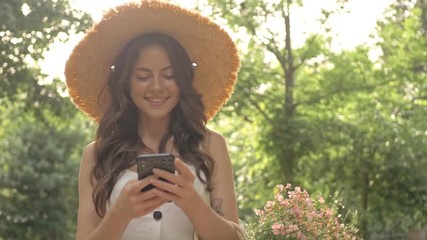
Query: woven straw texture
208, 45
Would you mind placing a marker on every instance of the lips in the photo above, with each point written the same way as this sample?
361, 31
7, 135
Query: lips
157, 100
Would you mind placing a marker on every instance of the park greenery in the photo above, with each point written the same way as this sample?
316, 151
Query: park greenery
337, 123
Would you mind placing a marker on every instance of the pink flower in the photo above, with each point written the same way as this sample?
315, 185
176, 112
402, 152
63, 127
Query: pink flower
283, 231
277, 228
259, 212
278, 197
299, 235
292, 228
296, 211
303, 237
285, 203
309, 203
295, 227
311, 215
337, 223
269, 205
296, 215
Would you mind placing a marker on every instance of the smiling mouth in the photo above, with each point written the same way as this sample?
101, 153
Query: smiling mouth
157, 101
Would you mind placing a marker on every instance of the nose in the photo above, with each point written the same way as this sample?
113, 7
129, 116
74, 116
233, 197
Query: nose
156, 84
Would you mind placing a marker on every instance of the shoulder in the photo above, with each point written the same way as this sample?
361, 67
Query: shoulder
216, 146
88, 158
214, 142
214, 138
90, 148
89, 152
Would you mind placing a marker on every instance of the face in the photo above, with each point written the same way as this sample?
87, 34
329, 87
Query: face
153, 88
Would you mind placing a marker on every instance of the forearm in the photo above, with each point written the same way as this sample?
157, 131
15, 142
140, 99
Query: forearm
209, 225
111, 227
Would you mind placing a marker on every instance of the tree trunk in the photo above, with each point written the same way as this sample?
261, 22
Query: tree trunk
289, 109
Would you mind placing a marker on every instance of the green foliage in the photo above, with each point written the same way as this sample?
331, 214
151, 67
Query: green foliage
27, 28
259, 98
357, 131
371, 130
348, 127
41, 132
38, 181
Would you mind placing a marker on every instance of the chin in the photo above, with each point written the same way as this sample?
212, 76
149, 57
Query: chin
157, 116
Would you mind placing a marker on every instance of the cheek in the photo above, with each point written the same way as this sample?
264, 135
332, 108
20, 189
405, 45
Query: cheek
175, 89
137, 87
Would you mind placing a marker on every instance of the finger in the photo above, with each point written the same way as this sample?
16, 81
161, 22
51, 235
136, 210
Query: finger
172, 178
166, 195
141, 197
184, 170
160, 173
175, 179
164, 186
140, 184
146, 195
151, 204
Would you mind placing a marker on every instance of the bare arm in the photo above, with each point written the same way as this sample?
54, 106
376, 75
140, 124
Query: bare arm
223, 199
131, 203
88, 222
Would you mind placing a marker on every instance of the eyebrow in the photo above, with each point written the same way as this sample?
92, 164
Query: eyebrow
149, 70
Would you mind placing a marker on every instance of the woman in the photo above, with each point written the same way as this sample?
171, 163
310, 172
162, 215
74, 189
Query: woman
170, 71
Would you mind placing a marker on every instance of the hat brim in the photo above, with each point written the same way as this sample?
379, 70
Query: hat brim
207, 44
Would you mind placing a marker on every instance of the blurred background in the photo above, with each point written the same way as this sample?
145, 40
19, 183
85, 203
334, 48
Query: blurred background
331, 97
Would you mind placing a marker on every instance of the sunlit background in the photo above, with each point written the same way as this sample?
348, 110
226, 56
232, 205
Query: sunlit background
352, 28
341, 113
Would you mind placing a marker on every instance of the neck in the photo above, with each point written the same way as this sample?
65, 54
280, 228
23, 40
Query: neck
152, 131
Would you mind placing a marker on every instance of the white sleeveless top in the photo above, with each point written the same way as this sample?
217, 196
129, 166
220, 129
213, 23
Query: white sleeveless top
173, 224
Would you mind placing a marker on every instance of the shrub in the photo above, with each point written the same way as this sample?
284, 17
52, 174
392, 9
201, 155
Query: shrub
294, 215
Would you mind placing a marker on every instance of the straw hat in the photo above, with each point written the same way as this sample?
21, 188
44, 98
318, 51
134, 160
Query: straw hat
207, 44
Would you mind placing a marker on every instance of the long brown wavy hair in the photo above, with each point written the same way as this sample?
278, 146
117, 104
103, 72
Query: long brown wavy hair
117, 140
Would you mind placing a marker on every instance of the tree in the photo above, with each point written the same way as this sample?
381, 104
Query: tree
38, 180
355, 126
278, 78
27, 28
267, 94
41, 132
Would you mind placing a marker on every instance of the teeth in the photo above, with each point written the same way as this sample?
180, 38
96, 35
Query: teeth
156, 100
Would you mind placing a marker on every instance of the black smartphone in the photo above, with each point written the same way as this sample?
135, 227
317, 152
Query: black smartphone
146, 162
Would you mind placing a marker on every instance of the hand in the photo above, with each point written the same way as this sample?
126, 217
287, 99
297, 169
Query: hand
180, 188
132, 203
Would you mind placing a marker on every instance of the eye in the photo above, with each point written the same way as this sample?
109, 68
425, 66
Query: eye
142, 78
169, 77
168, 74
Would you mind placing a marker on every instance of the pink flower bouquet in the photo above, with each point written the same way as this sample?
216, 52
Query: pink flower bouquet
295, 215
